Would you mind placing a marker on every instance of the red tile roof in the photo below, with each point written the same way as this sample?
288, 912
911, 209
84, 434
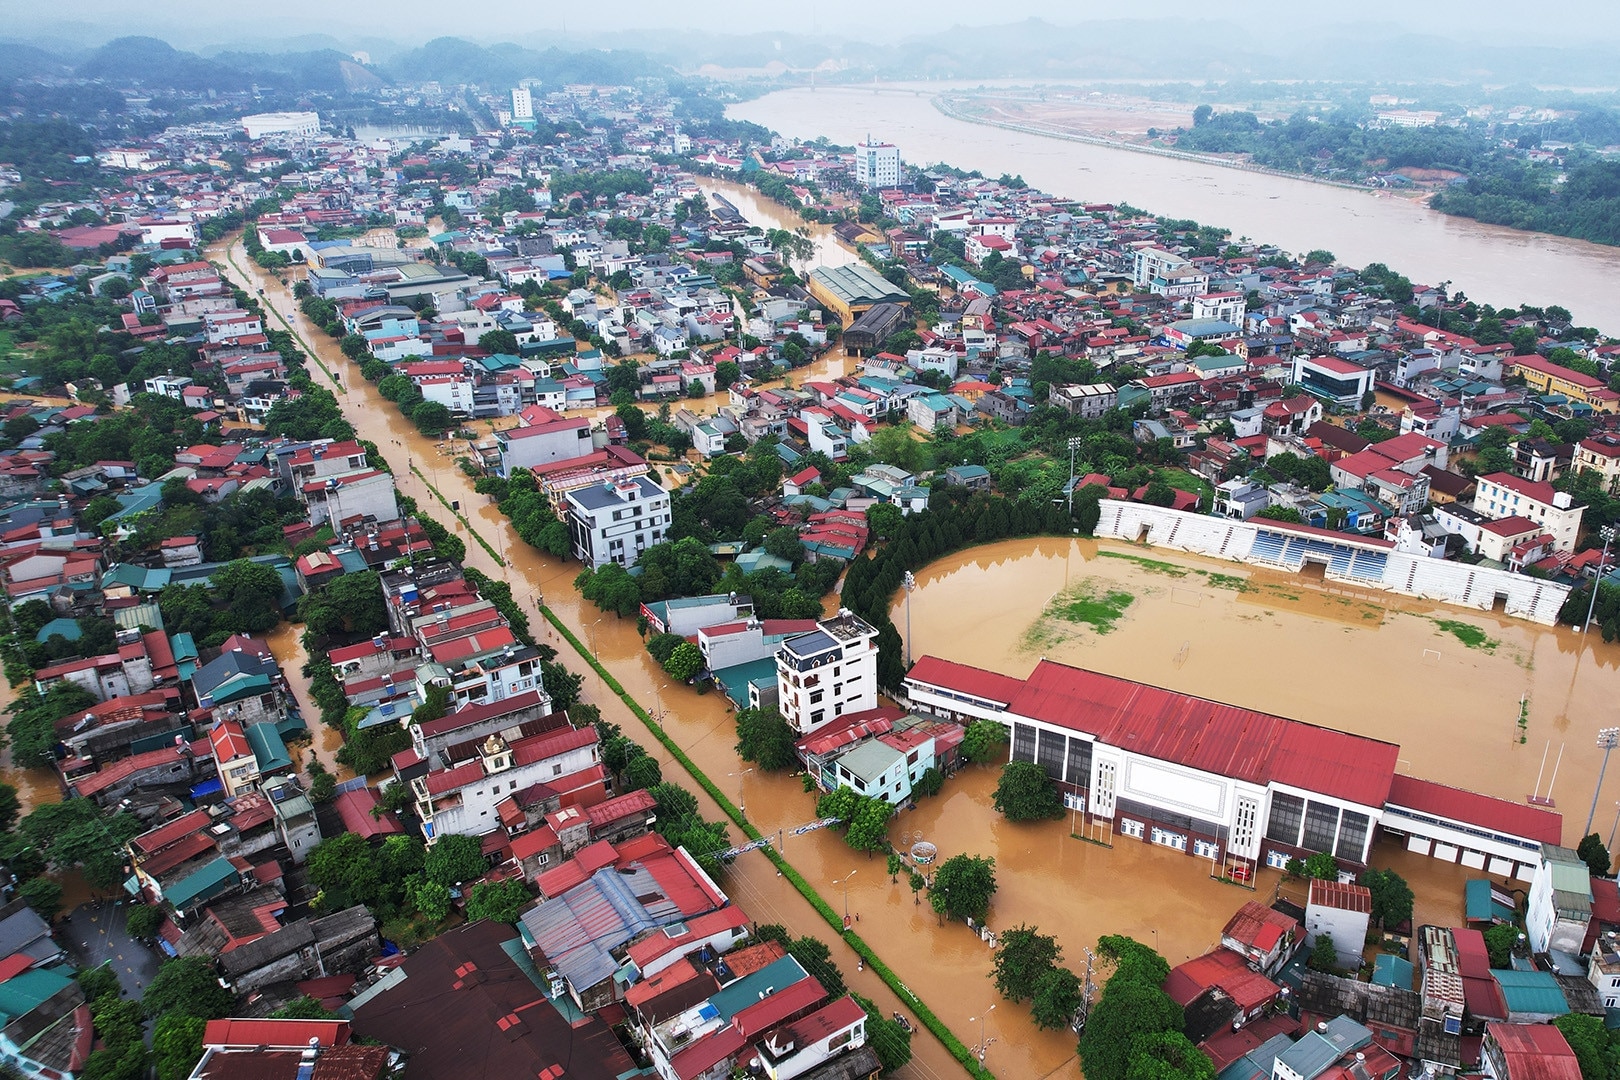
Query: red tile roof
1501, 815
1225, 969
291, 1033
355, 808
1258, 926
1535, 1051
1225, 740
1334, 894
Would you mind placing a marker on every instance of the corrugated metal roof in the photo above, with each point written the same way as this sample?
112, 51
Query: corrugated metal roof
1500, 815
1221, 739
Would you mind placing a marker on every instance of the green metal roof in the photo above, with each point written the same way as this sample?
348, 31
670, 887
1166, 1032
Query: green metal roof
23, 993
268, 748
67, 628
1531, 992
238, 687
870, 760
748, 990
202, 884
855, 283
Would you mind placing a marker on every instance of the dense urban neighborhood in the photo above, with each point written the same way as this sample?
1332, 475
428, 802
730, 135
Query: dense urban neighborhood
338, 468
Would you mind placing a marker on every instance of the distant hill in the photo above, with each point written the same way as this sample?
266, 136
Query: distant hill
28, 62
453, 61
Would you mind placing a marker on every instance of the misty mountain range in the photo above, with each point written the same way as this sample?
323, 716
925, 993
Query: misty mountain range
1034, 50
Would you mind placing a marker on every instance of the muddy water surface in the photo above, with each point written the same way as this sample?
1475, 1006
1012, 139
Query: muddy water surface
1359, 660
768, 214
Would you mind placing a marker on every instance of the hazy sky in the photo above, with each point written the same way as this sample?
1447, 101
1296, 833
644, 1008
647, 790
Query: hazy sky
199, 22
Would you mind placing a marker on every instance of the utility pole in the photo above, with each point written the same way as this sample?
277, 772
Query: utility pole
1597, 582
1607, 739
909, 583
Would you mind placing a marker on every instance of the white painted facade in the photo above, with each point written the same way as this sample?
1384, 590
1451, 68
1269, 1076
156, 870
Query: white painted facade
828, 672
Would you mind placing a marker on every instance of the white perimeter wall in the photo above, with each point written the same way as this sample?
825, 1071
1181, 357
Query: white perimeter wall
1410, 575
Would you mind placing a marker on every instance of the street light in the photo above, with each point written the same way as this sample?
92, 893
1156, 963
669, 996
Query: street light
1603, 561
1074, 444
743, 809
909, 583
844, 881
1607, 739
984, 1044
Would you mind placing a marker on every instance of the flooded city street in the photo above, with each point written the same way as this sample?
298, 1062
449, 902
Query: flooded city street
1344, 658
769, 214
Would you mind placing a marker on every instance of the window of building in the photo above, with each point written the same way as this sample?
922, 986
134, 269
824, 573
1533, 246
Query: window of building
1248, 811
1130, 828
1079, 766
1287, 811
1321, 826
1050, 752
1023, 743
815, 697
1352, 836
815, 717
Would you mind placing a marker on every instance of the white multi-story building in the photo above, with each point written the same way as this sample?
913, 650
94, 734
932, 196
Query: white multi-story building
877, 165
617, 521
259, 125
1560, 905
1151, 263
368, 493
522, 103
543, 437
828, 672
1503, 495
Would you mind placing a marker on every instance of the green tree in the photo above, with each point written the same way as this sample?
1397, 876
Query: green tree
1056, 998
432, 418
455, 860
498, 901
350, 604
684, 662
1391, 897
764, 738
1023, 955
1591, 1042
431, 898
144, 921
869, 828
344, 870
33, 720
1282, 513
1594, 854
931, 782
187, 986
985, 741
1168, 1055
1499, 942
251, 597
963, 886
915, 882
44, 896
888, 1040
496, 342
1129, 1009
1324, 957
303, 1008
1322, 867
177, 1045
642, 772
726, 372
1026, 793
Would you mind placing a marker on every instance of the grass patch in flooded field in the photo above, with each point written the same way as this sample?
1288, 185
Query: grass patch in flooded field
1467, 633
1227, 581
1154, 565
1082, 605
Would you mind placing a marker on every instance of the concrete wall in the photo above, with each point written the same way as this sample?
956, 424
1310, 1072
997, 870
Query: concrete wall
1410, 575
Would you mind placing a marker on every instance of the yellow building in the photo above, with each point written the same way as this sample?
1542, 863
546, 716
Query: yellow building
1545, 377
847, 291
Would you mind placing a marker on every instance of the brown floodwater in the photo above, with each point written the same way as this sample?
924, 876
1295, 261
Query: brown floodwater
286, 644
1342, 657
769, 214
35, 786
1359, 660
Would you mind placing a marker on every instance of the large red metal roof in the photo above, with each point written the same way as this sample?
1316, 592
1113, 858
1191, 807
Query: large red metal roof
1224, 740
966, 678
1514, 819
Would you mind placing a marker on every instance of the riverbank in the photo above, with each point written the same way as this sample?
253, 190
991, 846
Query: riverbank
1492, 264
952, 107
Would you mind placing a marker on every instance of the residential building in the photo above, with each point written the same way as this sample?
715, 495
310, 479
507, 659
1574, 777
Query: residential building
1600, 454
463, 799
1503, 495
1545, 377
616, 521
1341, 911
1560, 904
1089, 400
543, 437
824, 674
287, 1050
1263, 936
